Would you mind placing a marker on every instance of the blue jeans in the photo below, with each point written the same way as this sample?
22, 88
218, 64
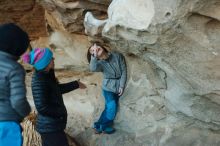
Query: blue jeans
108, 115
10, 134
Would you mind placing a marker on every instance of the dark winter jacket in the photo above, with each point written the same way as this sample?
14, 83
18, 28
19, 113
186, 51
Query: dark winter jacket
47, 93
13, 101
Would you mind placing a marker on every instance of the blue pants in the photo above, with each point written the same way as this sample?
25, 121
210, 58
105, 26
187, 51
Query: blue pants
108, 115
10, 134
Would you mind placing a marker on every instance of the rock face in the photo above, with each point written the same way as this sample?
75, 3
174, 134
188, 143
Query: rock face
26, 13
69, 15
172, 52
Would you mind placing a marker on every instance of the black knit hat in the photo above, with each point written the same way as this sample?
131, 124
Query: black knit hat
13, 39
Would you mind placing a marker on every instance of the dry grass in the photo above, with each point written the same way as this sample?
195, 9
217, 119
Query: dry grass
30, 136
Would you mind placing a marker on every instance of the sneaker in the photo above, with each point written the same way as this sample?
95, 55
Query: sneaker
109, 130
97, 129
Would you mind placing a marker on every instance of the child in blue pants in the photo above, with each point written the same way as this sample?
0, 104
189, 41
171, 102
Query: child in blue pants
113, 67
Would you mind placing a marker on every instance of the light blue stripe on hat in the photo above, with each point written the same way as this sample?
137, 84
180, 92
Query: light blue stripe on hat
45, 60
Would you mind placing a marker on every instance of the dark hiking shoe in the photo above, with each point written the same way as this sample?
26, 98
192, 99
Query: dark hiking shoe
109, 130
97, 130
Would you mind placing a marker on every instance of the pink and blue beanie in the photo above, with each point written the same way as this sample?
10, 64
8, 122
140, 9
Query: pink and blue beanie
39, 58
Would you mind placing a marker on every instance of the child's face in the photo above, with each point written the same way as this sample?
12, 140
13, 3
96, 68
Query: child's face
95, 49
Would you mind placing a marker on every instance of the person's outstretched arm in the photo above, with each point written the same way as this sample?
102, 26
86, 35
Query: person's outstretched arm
18, 92
67, 87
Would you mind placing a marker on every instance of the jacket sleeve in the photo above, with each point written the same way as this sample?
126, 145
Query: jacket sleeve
94, 65
18, 92
67, 87
40, 94
123, 67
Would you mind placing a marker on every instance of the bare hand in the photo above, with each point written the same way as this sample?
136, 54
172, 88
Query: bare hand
121, 90
95, 52
81, 85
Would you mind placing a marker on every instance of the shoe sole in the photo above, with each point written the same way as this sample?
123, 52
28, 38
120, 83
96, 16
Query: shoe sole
96, 132
104, 132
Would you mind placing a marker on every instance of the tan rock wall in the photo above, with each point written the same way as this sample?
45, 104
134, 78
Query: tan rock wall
26, 13
172, 52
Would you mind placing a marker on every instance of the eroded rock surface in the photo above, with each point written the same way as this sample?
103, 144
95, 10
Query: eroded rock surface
172, 52
28, 14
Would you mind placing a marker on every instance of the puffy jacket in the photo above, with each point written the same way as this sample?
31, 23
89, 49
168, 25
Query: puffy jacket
47, 93
13, 101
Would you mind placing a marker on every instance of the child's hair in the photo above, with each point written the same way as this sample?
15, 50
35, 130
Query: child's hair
98, 44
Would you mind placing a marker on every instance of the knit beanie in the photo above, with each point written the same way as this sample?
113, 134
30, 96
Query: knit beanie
39, 58
13, 39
